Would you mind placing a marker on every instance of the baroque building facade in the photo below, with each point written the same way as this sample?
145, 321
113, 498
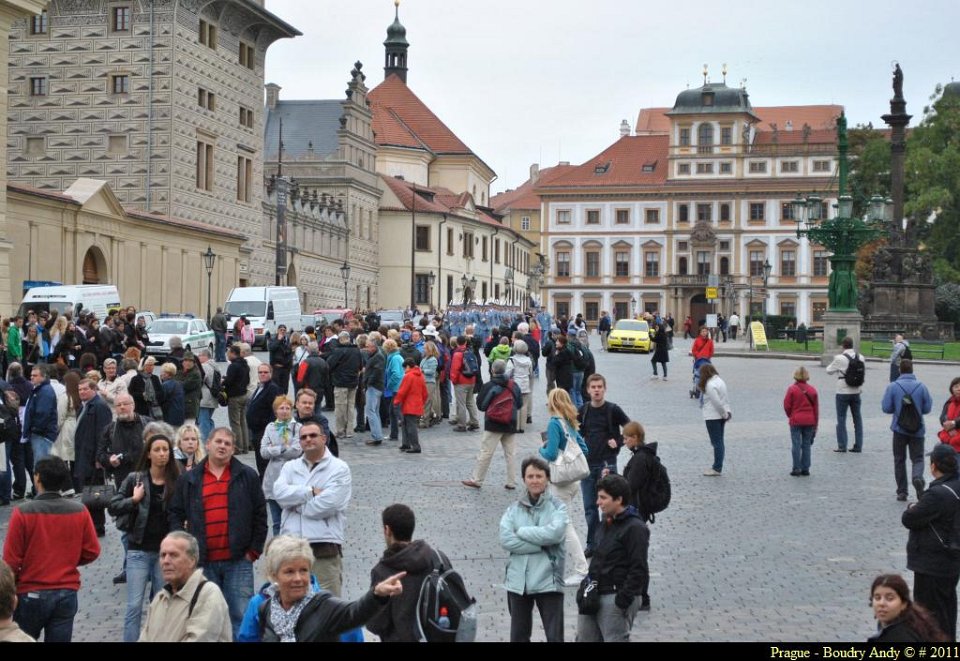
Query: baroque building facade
161, 100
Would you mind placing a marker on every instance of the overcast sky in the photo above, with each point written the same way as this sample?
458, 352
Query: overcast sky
526, 81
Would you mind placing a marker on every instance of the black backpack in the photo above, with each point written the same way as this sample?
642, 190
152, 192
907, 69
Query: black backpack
579, 357
856, 371
654, 495
906, 353
446, 613
909, 418
216, 387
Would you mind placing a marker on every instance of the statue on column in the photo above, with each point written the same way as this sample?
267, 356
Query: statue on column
897, 83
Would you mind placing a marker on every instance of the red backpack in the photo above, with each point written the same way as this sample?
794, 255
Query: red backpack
501, 407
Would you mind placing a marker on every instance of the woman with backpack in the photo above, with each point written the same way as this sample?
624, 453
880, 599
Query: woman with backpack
564, 425
803, 412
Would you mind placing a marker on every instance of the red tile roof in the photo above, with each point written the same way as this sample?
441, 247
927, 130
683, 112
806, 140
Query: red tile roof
795, 137
624, 161
653, 120
524, 196
400, 118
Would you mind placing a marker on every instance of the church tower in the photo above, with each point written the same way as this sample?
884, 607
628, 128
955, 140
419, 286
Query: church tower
396, 48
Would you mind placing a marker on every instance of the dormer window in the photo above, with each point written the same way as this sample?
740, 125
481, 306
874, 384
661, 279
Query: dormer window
650, 167
601, 168
707, 99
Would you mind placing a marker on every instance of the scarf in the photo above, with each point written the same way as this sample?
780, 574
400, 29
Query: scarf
283, 428
285, 622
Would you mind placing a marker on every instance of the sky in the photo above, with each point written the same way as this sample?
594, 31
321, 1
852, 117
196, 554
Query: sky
538, 81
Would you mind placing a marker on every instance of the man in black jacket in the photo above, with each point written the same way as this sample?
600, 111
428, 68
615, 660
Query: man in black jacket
235, 386
936, 569
260, 411
345, 364
221, 503
619, 565
374, 378
121, 443
94, 417
494, 432
397, 620
316, 373
281, 359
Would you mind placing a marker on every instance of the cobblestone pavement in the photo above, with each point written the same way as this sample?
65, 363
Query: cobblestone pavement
753, 555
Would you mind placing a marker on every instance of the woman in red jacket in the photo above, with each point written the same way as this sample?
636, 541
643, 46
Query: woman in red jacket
803, 412
950, 417
411, 398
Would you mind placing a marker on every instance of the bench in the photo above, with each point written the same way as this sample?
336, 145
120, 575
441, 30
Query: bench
927, 349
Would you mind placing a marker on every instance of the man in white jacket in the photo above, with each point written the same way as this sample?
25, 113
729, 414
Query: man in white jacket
314, 492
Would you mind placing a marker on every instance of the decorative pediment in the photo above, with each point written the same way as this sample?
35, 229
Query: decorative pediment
703, 234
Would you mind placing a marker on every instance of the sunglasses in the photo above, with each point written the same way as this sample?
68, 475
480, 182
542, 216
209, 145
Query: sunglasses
311, 435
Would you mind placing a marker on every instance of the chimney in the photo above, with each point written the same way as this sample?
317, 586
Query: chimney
273, 95
535, 172
624, 128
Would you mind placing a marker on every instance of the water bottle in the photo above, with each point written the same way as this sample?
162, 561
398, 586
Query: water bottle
444, 621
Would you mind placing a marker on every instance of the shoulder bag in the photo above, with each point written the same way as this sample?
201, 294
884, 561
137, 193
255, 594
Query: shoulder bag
570, 464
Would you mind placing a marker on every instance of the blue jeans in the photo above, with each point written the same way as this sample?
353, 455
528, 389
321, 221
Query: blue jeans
50, 611
276, 512
575, 392
853, 401
205, 422
588, 489
220, 344
372, 410
41, 446
715, 431
235, 580
802, 438
143, 568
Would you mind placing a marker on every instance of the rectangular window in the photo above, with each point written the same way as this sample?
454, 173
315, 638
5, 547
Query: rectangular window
726, 135
651, 264
683, 213
786, 211
757, 258
592, 311
788, 263
525, 224
724, 245
593, 264
246, 117
563, 216
206, 99
38, 86
563, 309
758, 167
120, 84
483, 249
705, 212
423, 237
38, 23
248, 56
821, 262
819, 309
623, 216
208, 34
468, 245
422, 288
821, 166
496, 251
790, 167
683, 168
120, 19
622, 259
205, 165
563, 264
703, 262
593, 217
684, 137
726, 167
704, 168
788, 308
244, 179
724, 213
449, 240
683, 246
652, 216
757, 212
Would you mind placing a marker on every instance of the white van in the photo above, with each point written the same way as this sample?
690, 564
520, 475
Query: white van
265, 308
99, 299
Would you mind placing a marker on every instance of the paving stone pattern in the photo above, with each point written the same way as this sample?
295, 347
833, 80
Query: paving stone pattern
753, 555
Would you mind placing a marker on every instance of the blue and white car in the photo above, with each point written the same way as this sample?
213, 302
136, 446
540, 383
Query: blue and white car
193, 334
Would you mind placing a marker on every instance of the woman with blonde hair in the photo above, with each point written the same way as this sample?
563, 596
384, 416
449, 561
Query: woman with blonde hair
280, 444
431, 412
803, 413
563, 428
189, 450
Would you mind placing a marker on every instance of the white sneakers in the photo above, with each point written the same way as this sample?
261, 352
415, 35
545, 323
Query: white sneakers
711, 473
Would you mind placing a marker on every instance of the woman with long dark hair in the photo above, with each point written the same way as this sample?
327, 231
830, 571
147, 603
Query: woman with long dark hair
141, 510
716, 412
950, 417
900, 620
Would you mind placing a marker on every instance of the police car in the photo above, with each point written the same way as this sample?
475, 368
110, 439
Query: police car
193, 334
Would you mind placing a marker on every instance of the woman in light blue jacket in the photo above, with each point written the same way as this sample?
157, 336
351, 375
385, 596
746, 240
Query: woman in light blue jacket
532, 531
431, 412
394, 375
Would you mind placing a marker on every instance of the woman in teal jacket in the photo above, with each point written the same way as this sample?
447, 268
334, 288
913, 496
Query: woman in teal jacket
393, 377
532, 531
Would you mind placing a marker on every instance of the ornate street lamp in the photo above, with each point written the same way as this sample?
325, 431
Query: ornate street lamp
209, 260
767, 267
345, 274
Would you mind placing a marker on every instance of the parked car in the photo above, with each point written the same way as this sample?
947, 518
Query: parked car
629, 335
193, 334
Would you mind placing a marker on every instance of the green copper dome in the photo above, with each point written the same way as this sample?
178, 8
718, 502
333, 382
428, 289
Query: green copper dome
712, 98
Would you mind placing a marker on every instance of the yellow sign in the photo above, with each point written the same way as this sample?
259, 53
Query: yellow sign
712, 292
759, 335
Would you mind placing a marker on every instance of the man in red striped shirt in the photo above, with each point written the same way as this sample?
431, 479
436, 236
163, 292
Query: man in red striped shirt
221, 503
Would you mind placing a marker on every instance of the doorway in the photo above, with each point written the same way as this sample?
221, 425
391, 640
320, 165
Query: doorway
699, 308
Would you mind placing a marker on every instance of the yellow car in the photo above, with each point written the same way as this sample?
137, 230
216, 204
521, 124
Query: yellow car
629, 335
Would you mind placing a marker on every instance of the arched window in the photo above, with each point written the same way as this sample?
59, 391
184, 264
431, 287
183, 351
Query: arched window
705, 134
682, 266
724, 266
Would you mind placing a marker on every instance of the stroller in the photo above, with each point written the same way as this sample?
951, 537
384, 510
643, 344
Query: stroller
697, 364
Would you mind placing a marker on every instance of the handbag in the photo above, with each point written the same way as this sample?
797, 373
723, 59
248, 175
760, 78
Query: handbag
98, 496
571, 464
588, 597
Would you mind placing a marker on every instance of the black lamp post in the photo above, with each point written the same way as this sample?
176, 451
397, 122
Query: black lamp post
464, 283
209, 259
767, 267
345, 274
